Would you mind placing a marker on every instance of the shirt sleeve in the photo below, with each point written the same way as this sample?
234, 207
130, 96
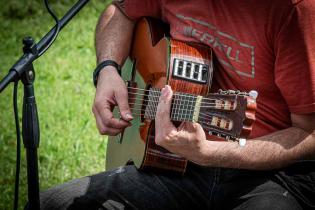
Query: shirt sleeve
295, 58
135, 9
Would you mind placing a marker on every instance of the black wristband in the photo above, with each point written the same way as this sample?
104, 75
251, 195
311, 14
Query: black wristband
101, 66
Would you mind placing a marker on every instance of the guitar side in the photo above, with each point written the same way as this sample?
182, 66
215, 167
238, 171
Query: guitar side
129, 145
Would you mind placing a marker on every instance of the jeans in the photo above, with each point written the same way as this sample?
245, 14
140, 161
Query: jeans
199, 188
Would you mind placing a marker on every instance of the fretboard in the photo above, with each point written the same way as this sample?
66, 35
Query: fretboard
184, 106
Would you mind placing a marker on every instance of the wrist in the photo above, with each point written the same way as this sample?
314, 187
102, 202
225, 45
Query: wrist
106, 71
204, 155
107, 75
101, 67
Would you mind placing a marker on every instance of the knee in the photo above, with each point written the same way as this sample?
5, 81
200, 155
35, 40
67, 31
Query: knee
273, 201
62, 196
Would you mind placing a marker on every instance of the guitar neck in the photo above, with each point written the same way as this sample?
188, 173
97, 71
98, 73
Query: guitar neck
223, 113
212, 113
185, 107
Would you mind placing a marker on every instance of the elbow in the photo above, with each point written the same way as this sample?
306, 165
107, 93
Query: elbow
105, 17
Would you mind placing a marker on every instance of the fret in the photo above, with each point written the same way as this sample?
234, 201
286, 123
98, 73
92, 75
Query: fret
191, 110
174, 108
190, 104
197, 109
182, 109
185, 110
157, 95
151, 107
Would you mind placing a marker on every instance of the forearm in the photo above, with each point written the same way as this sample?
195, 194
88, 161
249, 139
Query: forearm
113, 36
275, 150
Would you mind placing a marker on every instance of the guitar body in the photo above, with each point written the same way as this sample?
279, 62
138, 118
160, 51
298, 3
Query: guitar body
155, 55
187, 67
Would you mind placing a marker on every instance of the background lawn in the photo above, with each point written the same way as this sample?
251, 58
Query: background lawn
70, 145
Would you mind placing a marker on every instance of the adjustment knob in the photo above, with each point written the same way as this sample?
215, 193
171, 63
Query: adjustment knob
253, 94
28, 41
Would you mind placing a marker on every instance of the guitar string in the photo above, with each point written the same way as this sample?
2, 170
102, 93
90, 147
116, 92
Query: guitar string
176, 119
185, 95
205, 124
200, 117
157, 97
155, 93
202, 120
174, 108
152, 109
153, 116
191, 106
181, 94
176, 100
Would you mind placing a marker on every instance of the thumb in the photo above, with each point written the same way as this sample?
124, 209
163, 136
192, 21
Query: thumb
164, 106
122, 102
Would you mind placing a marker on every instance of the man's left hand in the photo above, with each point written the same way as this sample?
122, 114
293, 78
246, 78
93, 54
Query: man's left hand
188, 140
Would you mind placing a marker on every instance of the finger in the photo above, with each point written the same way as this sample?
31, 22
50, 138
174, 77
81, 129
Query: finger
103, 129
199, 130
109, 120
103, 110
187, 126
192, 130
164, 107
122, 101
111, 131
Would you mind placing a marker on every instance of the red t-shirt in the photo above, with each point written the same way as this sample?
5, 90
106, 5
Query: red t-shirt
262, 45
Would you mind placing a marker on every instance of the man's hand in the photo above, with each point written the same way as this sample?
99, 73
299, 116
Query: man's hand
111, 91
187, 140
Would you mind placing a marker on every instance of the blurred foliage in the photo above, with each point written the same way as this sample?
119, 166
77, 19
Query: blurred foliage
70, 145
19, 9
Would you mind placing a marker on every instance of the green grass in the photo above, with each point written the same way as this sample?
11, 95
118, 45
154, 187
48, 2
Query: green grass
70, 145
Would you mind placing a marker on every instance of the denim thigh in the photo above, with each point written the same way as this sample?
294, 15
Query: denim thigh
128, 188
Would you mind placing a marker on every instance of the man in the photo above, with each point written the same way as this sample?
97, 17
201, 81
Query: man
263, 45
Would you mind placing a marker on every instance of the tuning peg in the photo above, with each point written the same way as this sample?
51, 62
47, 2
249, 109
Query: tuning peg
253, 94
210, 133
241, 142
227, 138
218, 135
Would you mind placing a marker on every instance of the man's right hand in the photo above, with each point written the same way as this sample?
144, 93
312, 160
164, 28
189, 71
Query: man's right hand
111, 91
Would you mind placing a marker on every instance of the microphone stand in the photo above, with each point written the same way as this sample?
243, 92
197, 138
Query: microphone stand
23, 70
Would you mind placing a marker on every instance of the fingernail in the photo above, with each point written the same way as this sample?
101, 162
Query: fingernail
129, 116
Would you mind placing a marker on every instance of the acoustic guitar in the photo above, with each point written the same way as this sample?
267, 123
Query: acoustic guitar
187, 68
